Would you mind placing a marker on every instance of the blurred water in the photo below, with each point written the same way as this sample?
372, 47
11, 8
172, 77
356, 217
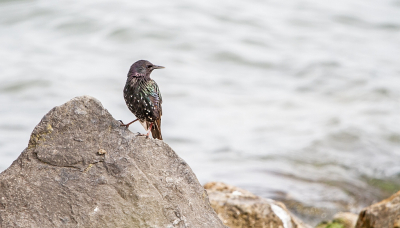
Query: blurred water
294, 100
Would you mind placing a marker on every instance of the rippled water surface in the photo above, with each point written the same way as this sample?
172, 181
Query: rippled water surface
293, 100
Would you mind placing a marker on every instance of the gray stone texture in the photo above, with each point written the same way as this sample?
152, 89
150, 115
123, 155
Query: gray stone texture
81, 169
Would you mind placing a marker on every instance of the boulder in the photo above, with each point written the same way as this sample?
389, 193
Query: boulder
385, 214
238, 208
81, 169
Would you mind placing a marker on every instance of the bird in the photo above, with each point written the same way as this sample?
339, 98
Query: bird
143, 97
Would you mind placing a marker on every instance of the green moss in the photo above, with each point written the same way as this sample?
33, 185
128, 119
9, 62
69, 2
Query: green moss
330, 225
335, 225
388, 186
322, 225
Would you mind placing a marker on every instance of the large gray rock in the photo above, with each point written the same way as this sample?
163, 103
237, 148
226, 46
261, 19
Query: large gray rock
81, 169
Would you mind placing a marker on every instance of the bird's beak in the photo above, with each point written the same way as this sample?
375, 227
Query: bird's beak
157, 67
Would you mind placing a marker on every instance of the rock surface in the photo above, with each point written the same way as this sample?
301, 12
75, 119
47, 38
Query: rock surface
348, 219
81, 169
340, 220
238, 208
385, 214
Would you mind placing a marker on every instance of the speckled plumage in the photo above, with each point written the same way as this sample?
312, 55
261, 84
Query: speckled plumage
143, 97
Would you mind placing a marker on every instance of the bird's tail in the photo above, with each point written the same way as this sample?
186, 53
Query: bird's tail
156, 129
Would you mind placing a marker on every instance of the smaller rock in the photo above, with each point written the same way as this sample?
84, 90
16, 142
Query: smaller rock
385, 214
340, 220
348, 219
397, 223
238, 208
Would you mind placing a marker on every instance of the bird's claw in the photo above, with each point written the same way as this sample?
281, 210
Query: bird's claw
140, 134
122, 124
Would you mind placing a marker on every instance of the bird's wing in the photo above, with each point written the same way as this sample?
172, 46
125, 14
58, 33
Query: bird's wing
155, 98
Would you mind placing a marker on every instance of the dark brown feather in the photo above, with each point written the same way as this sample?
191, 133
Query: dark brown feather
156, 129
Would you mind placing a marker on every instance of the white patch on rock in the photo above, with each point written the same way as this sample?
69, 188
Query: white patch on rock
236, 193
176, 221
169, 180
283, 215
96, 209
79, 111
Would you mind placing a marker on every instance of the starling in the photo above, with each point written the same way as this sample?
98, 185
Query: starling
143, 97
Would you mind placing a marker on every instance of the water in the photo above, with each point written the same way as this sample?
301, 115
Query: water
293, 100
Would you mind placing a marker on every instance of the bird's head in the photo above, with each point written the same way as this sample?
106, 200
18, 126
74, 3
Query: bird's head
142, 68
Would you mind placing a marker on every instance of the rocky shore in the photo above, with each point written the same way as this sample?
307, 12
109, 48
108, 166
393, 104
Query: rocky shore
81, 169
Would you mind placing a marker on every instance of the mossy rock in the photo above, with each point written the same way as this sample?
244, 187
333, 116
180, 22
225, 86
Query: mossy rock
333, 224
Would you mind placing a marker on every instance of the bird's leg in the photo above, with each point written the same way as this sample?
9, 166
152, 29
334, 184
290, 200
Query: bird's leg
127, 125
148, 132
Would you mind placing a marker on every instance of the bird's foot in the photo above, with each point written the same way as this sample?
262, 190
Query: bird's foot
140, 134
122, 124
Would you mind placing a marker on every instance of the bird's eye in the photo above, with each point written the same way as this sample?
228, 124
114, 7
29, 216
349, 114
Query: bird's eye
149, 66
